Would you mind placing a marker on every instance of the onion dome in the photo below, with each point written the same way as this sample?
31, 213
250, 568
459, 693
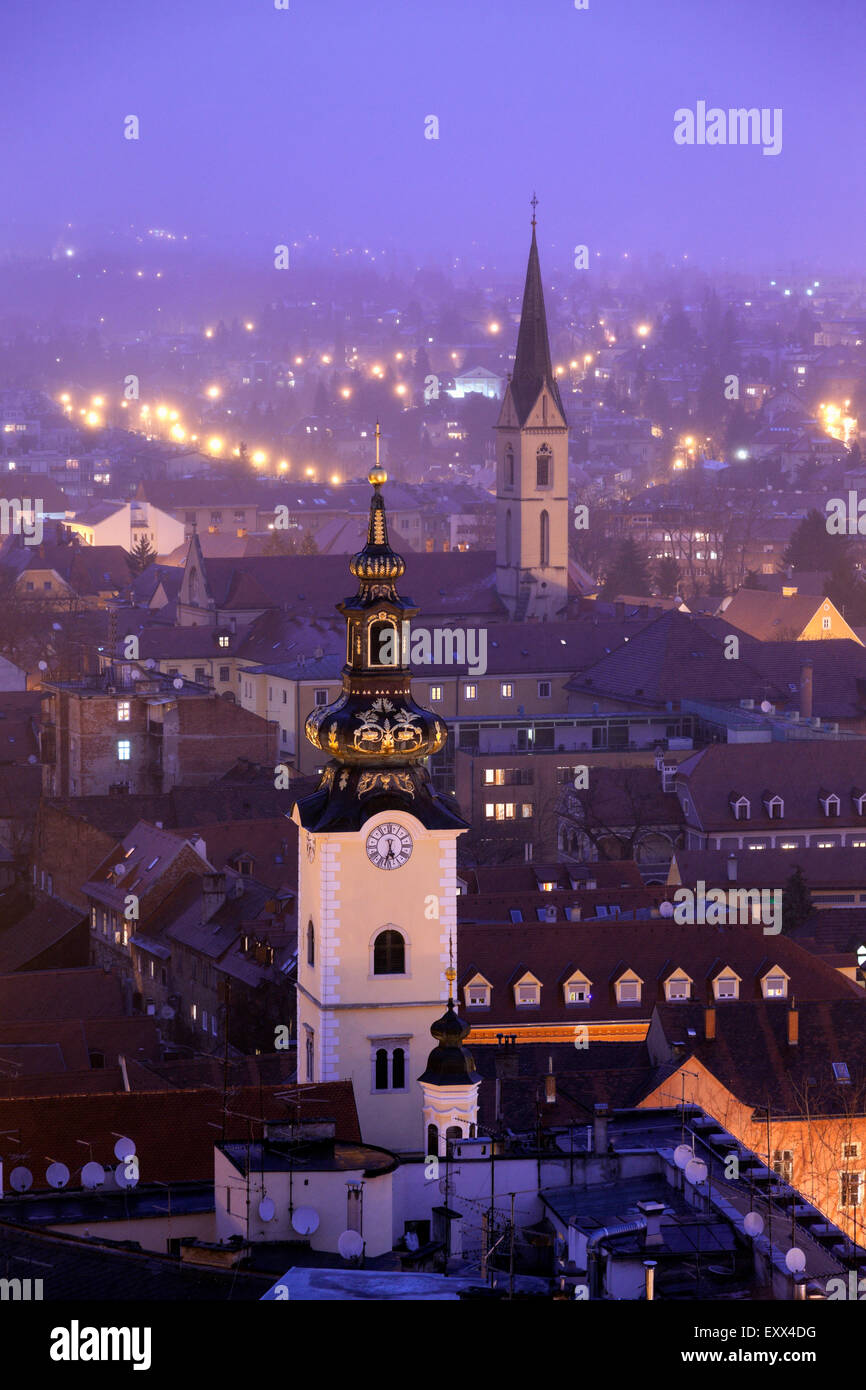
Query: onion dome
375, 722
450, 1063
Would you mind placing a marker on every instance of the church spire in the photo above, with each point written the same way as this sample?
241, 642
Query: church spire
532, 365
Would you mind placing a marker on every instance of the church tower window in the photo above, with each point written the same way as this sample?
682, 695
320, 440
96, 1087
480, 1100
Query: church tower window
311, 944
544, 540
543, 467
389, 953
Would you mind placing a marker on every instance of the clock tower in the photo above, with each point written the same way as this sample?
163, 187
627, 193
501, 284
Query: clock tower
377, 881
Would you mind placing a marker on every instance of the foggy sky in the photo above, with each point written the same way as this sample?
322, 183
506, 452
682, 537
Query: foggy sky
259, 126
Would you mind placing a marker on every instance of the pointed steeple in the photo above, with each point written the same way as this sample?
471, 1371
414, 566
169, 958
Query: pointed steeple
532, 365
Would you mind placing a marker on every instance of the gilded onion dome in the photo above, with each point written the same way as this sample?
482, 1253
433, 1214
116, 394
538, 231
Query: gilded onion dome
375, 721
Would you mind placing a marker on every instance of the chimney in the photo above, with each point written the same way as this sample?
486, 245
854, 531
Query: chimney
213, 894
506, 1060
599, 1128
793, 1025
550, 1083
710, 1022
806, 669
650, 1279
652, 1212
731, 866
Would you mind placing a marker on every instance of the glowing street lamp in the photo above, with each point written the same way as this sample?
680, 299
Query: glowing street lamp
345, 392
213, 392
215, 444
259, 457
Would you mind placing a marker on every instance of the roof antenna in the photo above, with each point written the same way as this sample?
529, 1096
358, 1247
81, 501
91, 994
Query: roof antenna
533, 204
451, 973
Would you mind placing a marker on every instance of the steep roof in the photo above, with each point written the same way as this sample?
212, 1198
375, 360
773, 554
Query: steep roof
797, 771
532, 365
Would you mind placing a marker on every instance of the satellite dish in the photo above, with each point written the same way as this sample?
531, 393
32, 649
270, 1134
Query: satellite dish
412, 1241
122, 1178
21, 1179
305, 1221
682, 1155
58, 627
124, 1148
350, 1245
696, 1171
178, 683
43, 665
266, 1209
150, 663
766, 706
166, 1012
92, 1175
32, 758
795, 1260
57, 1175
666, 909
753, 1223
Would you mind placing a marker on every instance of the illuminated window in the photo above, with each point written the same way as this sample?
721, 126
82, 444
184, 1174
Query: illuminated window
506, 690
124, 750
435, 692
494, 776
775, 987
122, 711
526, 810
223, 640
470, 692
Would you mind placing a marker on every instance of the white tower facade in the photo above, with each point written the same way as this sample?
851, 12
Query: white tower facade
532, 470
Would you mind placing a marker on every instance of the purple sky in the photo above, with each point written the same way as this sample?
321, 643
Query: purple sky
268, 124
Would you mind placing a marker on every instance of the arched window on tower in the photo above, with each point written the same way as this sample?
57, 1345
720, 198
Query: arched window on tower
509, 467
432, 1141
381, 1069
389, 953
311, 943
383, 644
544, 540
453, 1132
398, 1069
193, 585
508, 537
544, 467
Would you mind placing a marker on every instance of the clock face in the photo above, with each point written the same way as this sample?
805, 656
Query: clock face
389, 846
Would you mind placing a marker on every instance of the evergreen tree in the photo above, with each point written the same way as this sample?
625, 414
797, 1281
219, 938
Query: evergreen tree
142, 554
796, 902
812, 547
667, 576
308, 544
628, 572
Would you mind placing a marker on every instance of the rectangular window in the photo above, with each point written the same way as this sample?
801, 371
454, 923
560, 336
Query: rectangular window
204, 1020
783, 1164
527, 994
224, 673
776, 987
122, 711
321, 697
850, 1189
478, 998
526, 810
223, 640
506, 690
578, 993
435, 692
850, 1151
678, 989
825, 624
629, 991
544, 690
124, 750
494, 776
470, 692
193, 1009
726, 988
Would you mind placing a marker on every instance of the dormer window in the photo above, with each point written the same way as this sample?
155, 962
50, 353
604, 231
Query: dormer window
741, 807
830, 802
726, 987
774, 806
628, 989
678, 987
578, 990
775, 984
477, 993
527, 992
859, 799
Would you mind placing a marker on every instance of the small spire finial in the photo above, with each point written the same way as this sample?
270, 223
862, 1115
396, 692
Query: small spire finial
451, 973
377, 475
533, 205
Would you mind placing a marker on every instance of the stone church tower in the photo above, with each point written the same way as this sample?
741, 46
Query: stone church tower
377, 894
532, 470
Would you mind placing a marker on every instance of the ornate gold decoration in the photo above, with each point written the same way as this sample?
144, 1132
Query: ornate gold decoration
378, 734
385, 781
